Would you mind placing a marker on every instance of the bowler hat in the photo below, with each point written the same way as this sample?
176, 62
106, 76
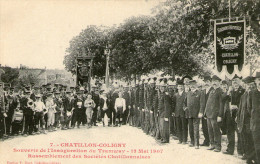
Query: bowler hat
214, 78
187, 76
248, 79
224, 82
207, 78
192, 82
180, 82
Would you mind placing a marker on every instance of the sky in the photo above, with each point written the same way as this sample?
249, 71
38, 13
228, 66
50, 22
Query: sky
36, 33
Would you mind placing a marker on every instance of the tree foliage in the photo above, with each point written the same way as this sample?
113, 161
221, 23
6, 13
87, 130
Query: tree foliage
177, 39
10, 75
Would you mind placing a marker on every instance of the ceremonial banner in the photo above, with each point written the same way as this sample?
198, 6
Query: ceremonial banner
229, 40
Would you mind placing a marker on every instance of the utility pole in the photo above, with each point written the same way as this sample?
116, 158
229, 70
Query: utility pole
107, 53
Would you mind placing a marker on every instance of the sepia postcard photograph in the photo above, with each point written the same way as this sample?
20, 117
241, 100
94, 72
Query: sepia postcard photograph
129, 81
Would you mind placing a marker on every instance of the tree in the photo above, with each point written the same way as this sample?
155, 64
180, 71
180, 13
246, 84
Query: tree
27, 80
93, 40
10, 75
131, 42
253, 54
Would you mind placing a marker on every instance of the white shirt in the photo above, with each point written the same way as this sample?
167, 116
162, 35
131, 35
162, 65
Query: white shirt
39, 106
50, 105
180, 93
105, 103
120, 102
207, 90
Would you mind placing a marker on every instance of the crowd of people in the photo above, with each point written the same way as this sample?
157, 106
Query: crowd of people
160, 106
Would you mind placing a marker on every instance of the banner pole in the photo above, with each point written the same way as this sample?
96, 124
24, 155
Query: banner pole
229, 9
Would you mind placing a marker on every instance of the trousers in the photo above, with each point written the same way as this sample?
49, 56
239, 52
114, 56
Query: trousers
194, 130
214, 132
89, 114
182, 128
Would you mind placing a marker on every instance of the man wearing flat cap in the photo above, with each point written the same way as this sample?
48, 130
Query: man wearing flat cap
214, 114
243, 121
254, 111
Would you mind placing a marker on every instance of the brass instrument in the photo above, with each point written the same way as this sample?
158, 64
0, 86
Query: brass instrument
30, 104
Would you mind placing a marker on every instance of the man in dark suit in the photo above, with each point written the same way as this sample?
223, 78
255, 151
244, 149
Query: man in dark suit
131, 105
105, 108
146, 111
180, 116
172, 91
164, 113
126, 96
192, 106
204, 98
214, 114
243, 121
234, 93
156, 111
254, 110
95, 97
136, 106
152, 93
141, 103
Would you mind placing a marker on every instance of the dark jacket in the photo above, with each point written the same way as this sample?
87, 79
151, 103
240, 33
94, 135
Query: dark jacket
155, 103
126, 96
102, 102
23, 106
75, 106
150, 98
214, 107
114, 95
164, 105
67, 103
141, 98
59, 105
179, 104
243, 116
203, 100
95, 98
193, 104
236, 95
136, 102
254, 109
